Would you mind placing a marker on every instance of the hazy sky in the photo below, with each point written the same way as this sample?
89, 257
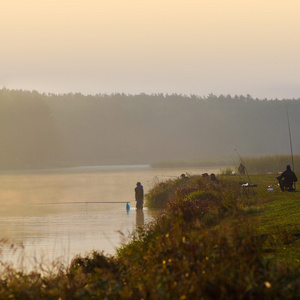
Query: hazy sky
181, 46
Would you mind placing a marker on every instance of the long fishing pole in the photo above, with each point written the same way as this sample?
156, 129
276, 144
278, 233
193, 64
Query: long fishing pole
241, 182
83, 202
79, 202
245, 170
290, 135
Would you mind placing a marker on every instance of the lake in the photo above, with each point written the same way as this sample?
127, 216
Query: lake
37, 225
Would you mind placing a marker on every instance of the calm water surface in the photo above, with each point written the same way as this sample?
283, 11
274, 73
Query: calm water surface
47, 232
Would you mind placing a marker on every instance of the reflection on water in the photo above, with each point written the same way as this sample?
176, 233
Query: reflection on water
62, 231
140, 218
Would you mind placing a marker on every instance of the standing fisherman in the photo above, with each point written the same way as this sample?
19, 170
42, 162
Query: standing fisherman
241, 169
139, 195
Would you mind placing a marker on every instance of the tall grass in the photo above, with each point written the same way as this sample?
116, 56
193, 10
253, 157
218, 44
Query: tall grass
254, 164
274, 163
195, 187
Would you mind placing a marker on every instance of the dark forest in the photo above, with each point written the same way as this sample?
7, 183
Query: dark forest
48, 130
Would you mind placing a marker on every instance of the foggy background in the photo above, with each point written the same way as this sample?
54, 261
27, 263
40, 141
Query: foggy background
48, 130
112, 82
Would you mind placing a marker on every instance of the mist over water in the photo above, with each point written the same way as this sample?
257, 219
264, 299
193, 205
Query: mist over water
60, 231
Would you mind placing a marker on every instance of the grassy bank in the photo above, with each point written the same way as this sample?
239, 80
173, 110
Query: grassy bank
214, 240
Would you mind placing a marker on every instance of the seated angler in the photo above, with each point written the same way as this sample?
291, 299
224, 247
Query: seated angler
287, 179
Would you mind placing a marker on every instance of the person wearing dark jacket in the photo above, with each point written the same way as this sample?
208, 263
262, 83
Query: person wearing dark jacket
241, 169
139, 196
287, 179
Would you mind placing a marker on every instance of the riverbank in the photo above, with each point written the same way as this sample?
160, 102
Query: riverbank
215, 240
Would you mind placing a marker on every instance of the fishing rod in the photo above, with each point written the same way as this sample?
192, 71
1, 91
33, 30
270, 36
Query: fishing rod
241, 179
290, 135
245, 170
82, 202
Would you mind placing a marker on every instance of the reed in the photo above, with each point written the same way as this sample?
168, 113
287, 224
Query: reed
254, 164
273, 164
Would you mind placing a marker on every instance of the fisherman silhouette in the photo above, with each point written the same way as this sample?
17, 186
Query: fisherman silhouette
287, 179
139, 195
241, 169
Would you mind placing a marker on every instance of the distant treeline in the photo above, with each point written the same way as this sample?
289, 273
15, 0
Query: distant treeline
230, 161
48, 130
29, 137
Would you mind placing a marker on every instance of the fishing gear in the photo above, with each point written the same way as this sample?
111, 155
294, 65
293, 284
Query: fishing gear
84, 202
250, 184
290, 136
241, 180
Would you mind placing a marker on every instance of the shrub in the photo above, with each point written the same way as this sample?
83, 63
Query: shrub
270, 163
227, 172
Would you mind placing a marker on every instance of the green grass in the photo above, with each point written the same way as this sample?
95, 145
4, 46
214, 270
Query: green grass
284, 211
213, 240
281, 221
277, 217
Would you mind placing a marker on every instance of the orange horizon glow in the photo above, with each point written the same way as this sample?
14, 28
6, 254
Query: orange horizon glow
191, 47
